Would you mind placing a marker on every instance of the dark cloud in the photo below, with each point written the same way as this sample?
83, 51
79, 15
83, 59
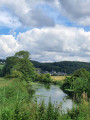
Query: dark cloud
77, 11
27, 12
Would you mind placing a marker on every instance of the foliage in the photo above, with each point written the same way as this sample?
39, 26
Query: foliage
78, 83
1, 67
46, 78
82, 72
65, 66
22, 54
10, 62
19, 65
15, 104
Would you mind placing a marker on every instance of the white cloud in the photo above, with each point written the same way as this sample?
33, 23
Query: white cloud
8, 21
50, 44
56, 44
8, 45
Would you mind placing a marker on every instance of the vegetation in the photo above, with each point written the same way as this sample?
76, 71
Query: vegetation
1, 67
46, 78
15, 94
78, 83
65, 66
58, 78
20, 66
15, 104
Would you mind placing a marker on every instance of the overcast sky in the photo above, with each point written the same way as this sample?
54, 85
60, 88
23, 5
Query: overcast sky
51, 30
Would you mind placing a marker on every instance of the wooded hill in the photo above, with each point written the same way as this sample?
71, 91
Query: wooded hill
65, 66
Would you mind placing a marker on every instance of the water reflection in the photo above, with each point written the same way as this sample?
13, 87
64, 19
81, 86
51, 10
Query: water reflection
31, 92
47, 86
46, 91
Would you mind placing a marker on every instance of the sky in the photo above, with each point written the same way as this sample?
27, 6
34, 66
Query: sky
51, 30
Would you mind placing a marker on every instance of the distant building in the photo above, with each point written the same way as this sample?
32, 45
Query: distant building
58, 73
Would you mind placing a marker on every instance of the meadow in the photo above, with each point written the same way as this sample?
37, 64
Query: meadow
1, 66
58, 78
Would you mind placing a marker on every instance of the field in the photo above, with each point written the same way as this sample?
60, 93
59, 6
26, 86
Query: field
58, 78
1, 66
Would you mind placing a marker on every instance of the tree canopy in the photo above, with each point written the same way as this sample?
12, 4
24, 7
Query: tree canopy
22, 54
19, 65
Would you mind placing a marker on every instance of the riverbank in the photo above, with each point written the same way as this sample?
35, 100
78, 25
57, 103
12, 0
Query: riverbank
15, 104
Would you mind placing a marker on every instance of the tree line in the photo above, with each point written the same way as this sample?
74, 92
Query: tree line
65, 66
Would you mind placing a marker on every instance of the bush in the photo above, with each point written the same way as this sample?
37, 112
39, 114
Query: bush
46, 78
78, 83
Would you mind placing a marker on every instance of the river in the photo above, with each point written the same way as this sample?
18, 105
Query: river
53, 92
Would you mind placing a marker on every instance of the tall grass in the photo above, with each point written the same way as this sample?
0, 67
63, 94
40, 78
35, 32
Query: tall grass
15, 104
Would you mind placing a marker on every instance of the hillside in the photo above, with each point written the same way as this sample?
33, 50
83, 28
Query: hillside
64, 66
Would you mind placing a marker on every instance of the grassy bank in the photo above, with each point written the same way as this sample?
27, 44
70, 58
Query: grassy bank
15, 104
12, 93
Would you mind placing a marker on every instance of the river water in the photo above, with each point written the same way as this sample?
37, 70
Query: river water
53, 92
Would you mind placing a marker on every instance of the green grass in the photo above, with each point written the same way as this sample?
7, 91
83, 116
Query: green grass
15, 104
1, 66
12, 92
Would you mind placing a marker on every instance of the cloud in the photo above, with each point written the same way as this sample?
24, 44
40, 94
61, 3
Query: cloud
8, 45
27, 13
57, 43
8, 21
78, 11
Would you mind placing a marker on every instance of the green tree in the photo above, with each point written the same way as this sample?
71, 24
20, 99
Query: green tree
78, 83
19, 65
10, 62
22, 54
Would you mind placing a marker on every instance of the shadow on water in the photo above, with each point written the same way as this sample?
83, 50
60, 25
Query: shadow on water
47, 86
31, 92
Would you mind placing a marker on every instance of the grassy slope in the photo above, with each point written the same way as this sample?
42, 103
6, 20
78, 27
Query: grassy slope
12, 92
1, 66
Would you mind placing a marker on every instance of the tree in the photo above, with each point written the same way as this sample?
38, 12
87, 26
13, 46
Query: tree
78, 83
19, 65
22, 54
82, 72
10, 62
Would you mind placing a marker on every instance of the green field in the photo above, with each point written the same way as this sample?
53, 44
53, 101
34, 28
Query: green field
1, 66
